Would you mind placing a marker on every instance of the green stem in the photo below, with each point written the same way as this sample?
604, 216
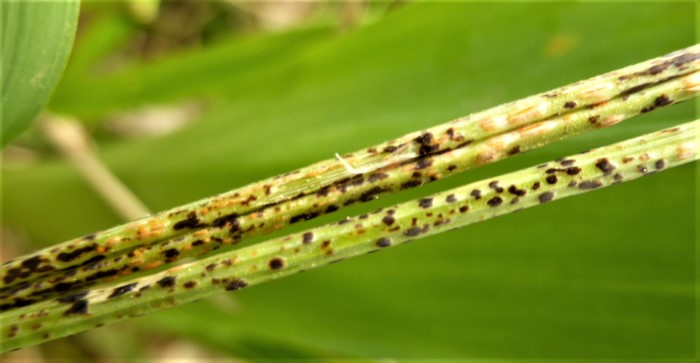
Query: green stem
498, 132
351, 237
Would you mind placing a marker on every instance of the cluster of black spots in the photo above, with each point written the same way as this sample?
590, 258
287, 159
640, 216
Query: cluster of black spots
383, 242
515, 191
235, 284
546, 197
192, 222
605, 166
32, 265
590, 184
331, 208
494, 185
551, 179
79, 307
660, 101
121, 290
102, 274
222, 221
324, 191
476, 193
276, 263
166, 282
569, 104
307, 237
303, 217
425, 203
197, 243
495, 201
426, 144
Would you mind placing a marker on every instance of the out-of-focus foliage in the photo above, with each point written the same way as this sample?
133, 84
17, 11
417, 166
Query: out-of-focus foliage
606, 275
36, 41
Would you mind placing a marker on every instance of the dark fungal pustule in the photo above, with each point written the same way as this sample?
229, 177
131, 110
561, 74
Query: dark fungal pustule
383, 242
573, 170
170, 254
514, 150
372, 194
494, 185
426, 144
464, 209
451, 167
551, 179
569, 104
425, 203
388, 220
451, 198
307, 237
660, 101
210, 267
192, 222
515, 191
121, 290
303, 217
642, 169
276, 263
605, 166
377, 177
70, 256
536, 186
590, 184
332, 208
235, 284
423, 163
71, 298
594, 119
495, 201
390, 149
229, 219
410, 184
79, 307
413, 231
572, 183
567, 162
189, 284
166, 282
476, 193
618, 177
198, 242
545, 197
660, 164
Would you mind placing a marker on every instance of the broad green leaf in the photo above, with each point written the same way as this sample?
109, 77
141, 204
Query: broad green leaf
37, 37
607, 275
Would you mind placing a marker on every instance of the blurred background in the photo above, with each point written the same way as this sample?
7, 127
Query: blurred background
180, 100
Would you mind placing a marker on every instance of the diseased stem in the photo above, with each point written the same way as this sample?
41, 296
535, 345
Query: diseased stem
350, 237
359, 188
482, 138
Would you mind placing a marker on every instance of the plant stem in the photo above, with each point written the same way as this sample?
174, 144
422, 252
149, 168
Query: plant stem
351, 237
495, 133
359, 188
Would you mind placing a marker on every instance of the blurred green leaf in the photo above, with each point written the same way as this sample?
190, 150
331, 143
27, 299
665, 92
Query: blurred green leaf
607, 275
37, 37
